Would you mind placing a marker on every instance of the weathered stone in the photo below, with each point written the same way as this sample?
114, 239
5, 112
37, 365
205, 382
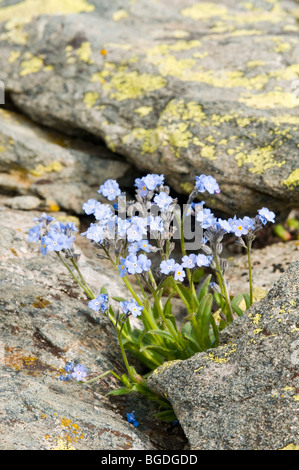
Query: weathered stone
244, 394
181, 88
267, 265
44, 323
62, 171
27, 203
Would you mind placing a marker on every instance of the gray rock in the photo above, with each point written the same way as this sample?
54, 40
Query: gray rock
181, 88
44, 323
244, 394
267, 266
26, 203
63, 172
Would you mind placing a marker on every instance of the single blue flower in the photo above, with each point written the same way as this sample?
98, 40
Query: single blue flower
166, 267
202, 260
224, 225
89, 206
134, 233
239, 228
132, 265
43, 246
265, 215
156, 224
141, 186
179, 273
189, 261
163, 200
79, 373
34, 233
102, 212
207, 183
122, 268
55, 241
152, 181
110, 190
134, 308
95, 233
124, 305
144, 245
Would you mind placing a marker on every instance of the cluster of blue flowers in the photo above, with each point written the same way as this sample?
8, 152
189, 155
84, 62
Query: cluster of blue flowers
54, 236
125, 239
131, 307
100, 303
76, 372
131, 418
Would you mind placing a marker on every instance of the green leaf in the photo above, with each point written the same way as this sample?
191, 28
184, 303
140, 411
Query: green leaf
192, 343
167, 416
168, 354
186, 293
197, 275
204, 288
104, 290
119, 299
120, 391
125, 380
204, 319
164, 334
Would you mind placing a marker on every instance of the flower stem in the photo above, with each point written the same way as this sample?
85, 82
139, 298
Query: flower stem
250, 271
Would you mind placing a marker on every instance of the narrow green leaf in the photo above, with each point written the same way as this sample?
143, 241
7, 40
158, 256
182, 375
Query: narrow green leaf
119, 299
120, 391
204, 288
167, 416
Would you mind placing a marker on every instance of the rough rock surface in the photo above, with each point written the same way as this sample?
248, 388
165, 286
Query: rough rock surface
267, 266
244, 394
44, 323
178, 87
61, 172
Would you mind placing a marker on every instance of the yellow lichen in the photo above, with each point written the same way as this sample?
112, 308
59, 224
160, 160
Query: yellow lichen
120, 15
292, 180
261, 159
144, 110
255, 63
90, 99
290, 447
28, 9
270, 100
84, 53
40, 170
256, 318
204, 10
125, 84
14, 55
63, 444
